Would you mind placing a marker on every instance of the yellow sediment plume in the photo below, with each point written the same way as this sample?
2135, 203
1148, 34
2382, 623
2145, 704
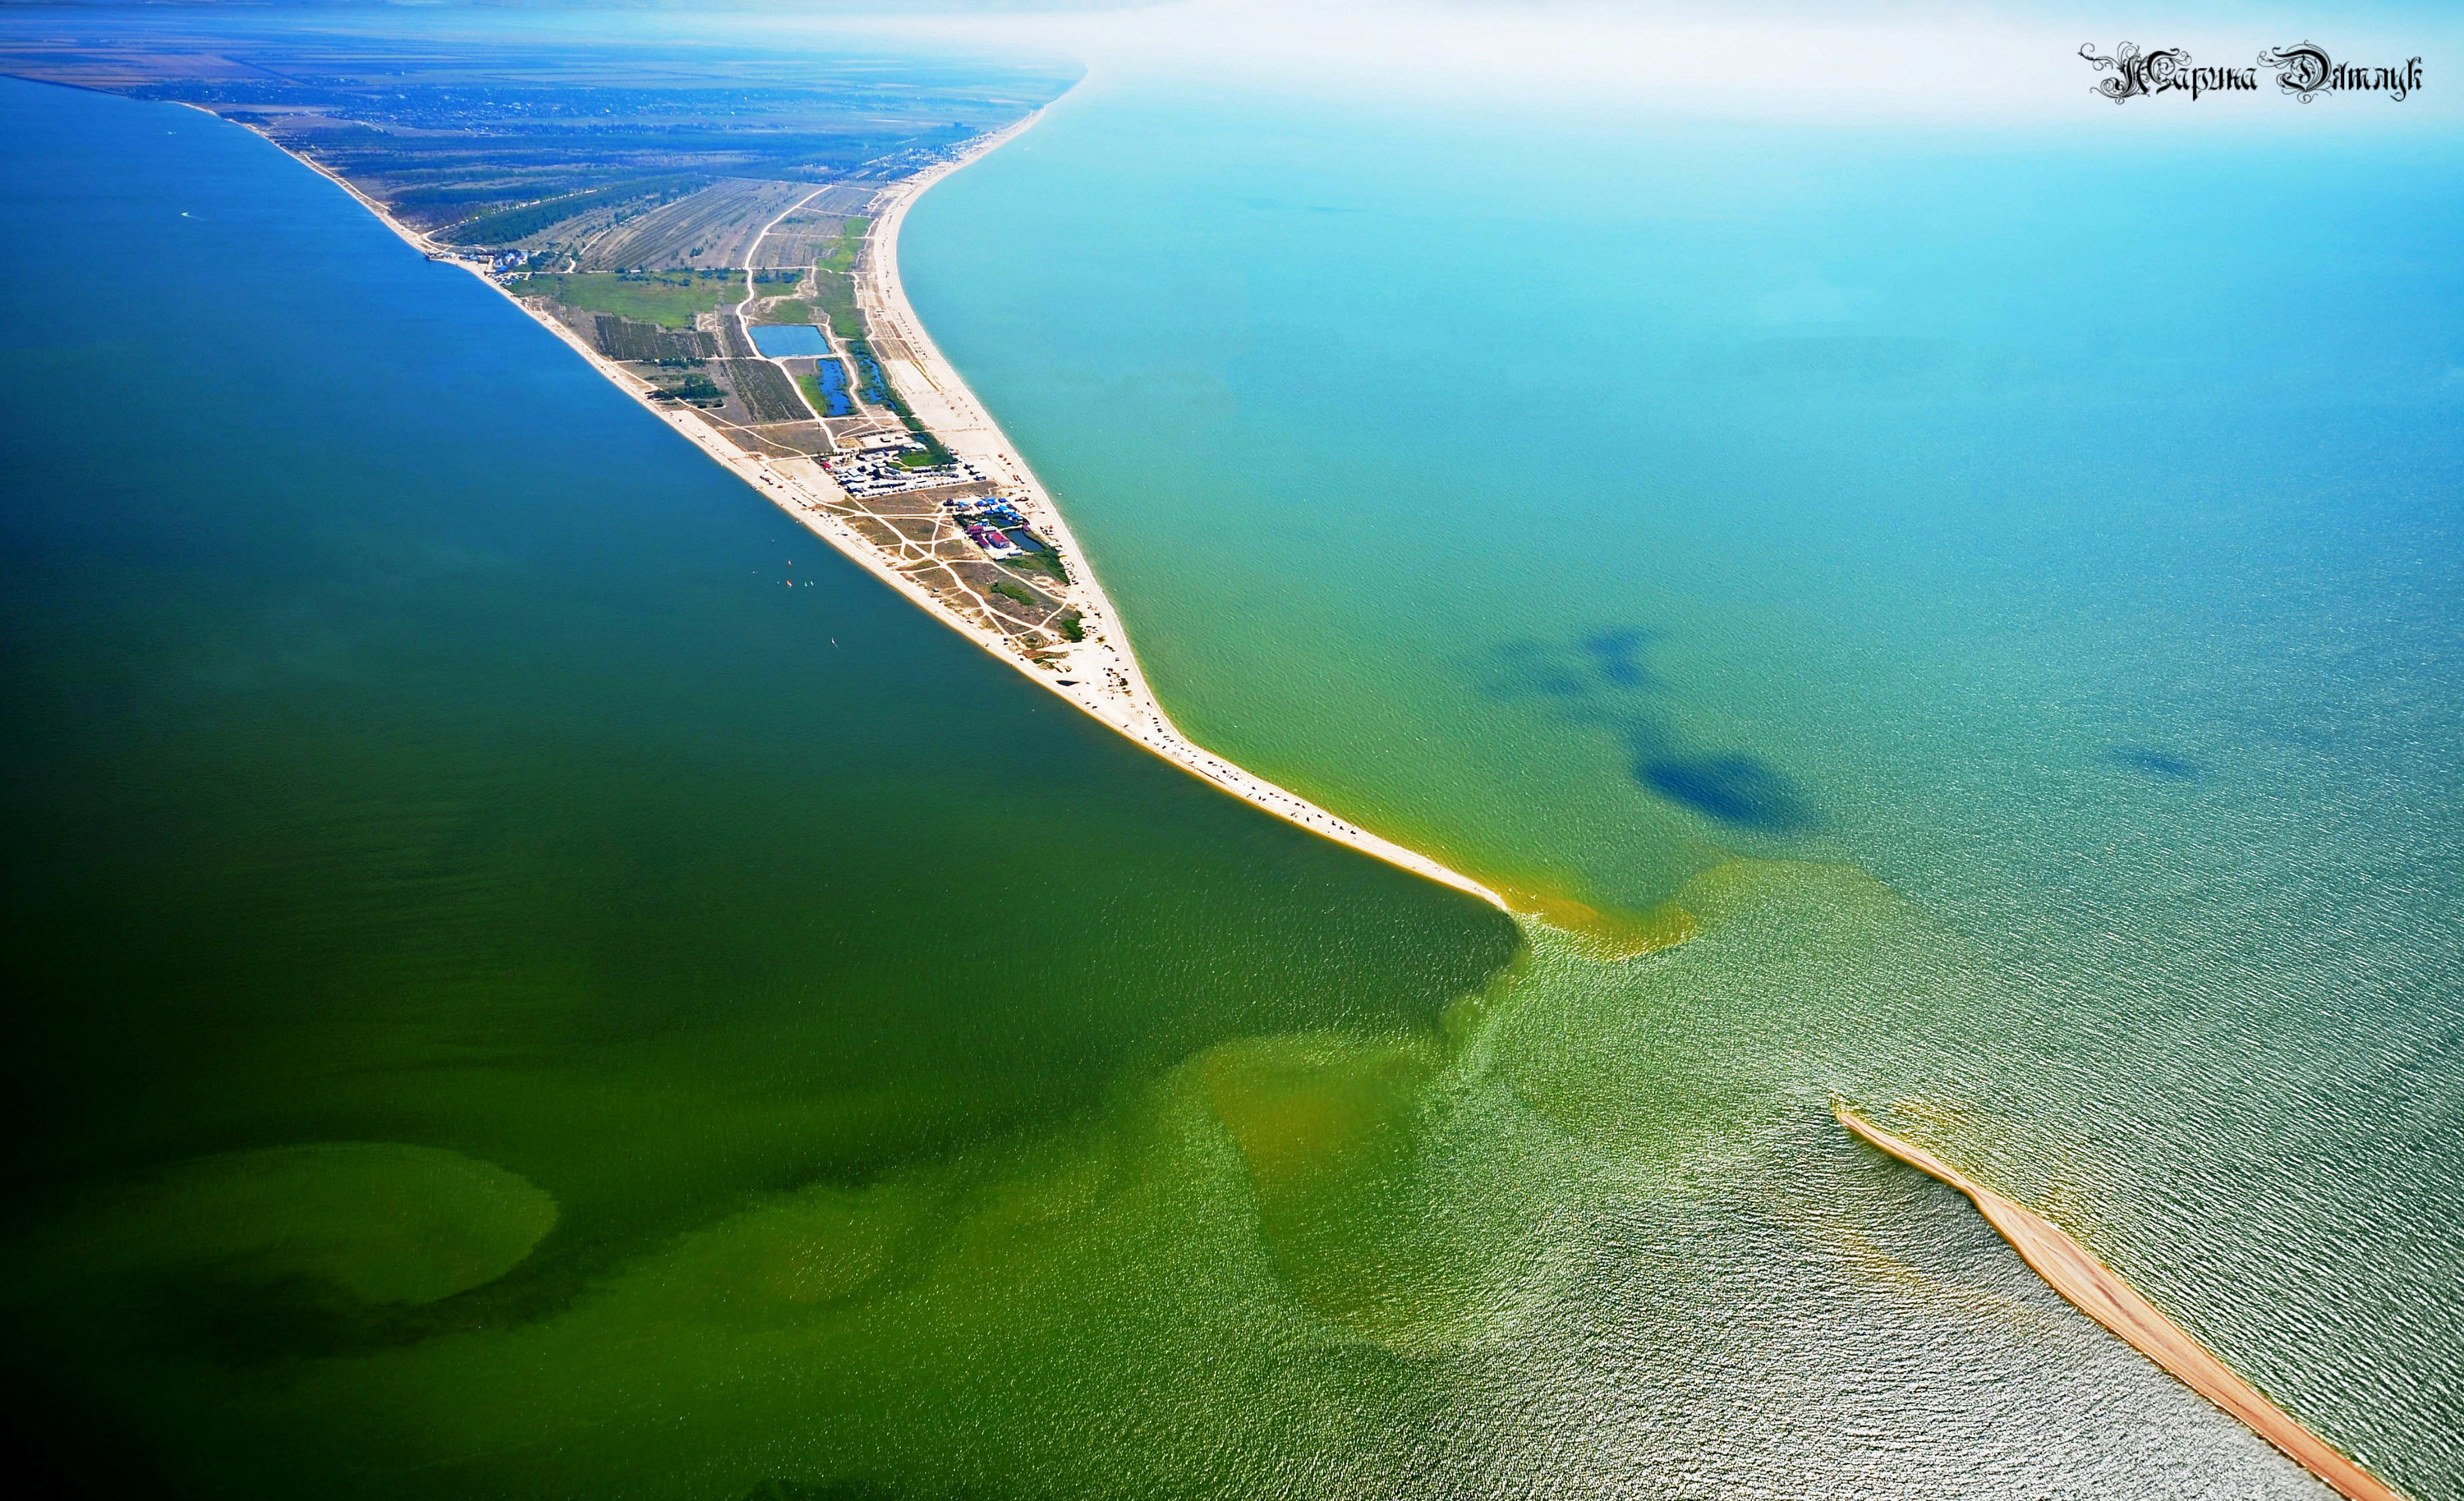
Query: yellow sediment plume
1327, 1128
2101, 1294
1302, 1108
1604, 931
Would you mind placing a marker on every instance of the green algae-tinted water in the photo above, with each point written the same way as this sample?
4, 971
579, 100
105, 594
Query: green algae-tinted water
2002, 588
530, 975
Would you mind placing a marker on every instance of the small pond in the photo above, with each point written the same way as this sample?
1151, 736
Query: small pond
790, 341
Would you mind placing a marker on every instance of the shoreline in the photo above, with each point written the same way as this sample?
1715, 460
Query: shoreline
941, 399
2100, 1293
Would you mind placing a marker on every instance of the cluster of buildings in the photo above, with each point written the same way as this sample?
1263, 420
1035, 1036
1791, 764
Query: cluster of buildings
995, 527
879, 473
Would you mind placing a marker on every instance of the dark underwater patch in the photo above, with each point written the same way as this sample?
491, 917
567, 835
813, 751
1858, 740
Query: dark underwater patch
1736, 790
1615, 654
1518, 670
2157, 764
1600, 679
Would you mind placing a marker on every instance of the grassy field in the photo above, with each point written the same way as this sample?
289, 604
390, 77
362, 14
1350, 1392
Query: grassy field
842, 256
790, 312
632, 339
834, 284
670, 299
1047, 564
835, 296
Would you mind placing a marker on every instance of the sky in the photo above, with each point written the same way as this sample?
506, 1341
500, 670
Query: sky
1997, 63
1919, 61
1855, 60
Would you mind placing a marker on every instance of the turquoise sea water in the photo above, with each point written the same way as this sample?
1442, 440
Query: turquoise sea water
2012, 580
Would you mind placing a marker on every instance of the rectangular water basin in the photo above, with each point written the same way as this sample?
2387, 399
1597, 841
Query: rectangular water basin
790, 341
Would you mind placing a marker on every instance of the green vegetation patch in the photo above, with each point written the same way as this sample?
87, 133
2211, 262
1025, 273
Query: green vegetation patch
789, 313
834, 294
666, 297
842, 255
1047, 564
1072, 627
697, 388
650, 343
1010, 591
935, 455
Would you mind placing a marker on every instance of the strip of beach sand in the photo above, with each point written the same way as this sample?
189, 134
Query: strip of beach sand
1103, 678
2101, 1294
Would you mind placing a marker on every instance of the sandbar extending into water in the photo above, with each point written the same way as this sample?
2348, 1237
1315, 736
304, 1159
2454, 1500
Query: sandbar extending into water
2100, 1293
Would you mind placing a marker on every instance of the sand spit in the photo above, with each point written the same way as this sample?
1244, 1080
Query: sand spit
2101, 1294
1100, 675
1110, 686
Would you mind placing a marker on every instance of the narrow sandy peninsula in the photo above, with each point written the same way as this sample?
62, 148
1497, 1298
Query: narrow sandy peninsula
2101, 1294
1090, 662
